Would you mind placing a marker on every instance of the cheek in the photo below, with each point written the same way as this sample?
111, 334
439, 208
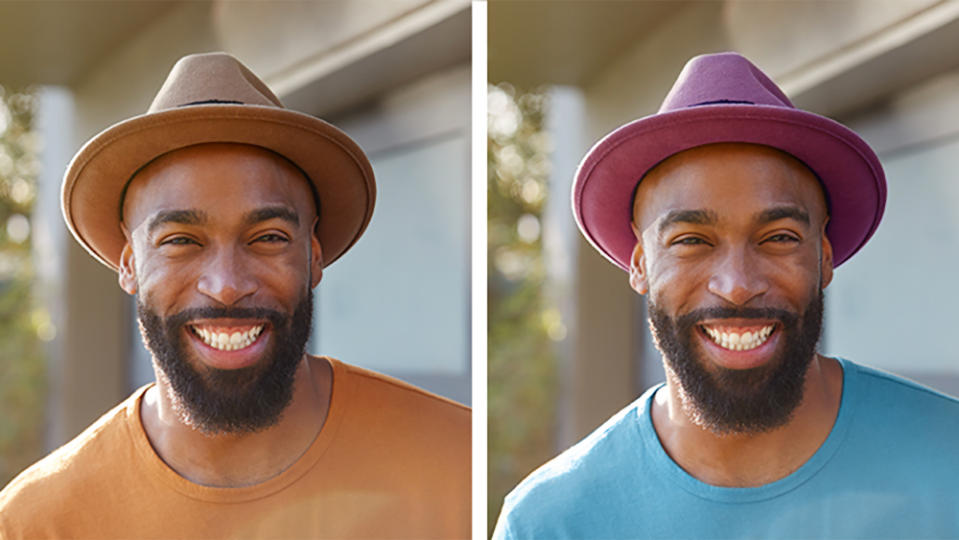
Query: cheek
163, 280
160, 283
671, 277
797, 278
801, 263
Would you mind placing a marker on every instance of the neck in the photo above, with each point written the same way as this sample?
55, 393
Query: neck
750, 459
234, 460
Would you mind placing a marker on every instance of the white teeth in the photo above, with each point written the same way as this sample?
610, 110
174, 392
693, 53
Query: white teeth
228, 342
740, 342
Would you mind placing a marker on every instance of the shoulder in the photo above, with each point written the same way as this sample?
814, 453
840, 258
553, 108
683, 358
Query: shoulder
377, 389
414, 442
902, 414
891, 393
590, 459
45, 488
380, 403
587, 471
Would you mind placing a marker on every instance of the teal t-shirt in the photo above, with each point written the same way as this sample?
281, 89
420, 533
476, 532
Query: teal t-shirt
888, 469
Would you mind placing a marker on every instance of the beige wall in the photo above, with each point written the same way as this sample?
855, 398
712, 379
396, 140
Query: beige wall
301, 32
791, 37
791, 41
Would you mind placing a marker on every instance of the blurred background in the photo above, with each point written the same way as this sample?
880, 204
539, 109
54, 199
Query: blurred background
393, 74
569, 344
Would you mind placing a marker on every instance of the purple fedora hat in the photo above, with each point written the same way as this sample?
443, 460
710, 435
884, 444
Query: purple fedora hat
725, 98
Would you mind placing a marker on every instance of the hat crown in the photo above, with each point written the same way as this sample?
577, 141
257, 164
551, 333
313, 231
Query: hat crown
722, 78
211, 78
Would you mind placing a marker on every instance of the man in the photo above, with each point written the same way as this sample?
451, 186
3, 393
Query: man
219, 210
729, 209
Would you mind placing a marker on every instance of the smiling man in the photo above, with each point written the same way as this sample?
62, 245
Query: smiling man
219, 210
729, 209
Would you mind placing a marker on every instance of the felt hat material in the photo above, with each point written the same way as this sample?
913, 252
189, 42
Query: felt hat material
214, 98
725, 98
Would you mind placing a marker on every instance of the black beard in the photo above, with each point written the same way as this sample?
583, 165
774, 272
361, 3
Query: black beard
746, 401
233, 401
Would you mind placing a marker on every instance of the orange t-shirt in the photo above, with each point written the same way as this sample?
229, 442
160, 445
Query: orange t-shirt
392, 461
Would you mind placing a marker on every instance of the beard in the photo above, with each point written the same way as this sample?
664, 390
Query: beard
229, 401
747, 401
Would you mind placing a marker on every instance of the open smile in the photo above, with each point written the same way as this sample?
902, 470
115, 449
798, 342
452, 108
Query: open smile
227, 338
740, 344
229, 344
739, 338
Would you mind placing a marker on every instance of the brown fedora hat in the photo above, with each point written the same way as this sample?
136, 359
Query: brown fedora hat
214, 98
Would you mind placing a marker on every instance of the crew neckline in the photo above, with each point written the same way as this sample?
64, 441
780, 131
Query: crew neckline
675, 474
342, 388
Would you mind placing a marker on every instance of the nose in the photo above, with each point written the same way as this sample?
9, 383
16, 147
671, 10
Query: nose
226, 278
737, 278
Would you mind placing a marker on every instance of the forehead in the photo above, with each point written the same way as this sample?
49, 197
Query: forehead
222, 180
731, 180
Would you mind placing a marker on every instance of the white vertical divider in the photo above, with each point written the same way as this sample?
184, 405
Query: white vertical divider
478, 274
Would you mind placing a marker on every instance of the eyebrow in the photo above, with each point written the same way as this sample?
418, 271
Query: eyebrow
272, 212
183, 217
782, 212
695, 217
199, 217
708, 217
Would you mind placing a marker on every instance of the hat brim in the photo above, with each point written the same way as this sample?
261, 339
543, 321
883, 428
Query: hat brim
95, 179
848, 169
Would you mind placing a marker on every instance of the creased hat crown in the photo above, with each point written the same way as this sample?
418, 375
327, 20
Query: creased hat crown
723, 78
200, 79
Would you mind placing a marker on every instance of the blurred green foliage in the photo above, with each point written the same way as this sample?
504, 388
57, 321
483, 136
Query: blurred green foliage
23, 325
522, 323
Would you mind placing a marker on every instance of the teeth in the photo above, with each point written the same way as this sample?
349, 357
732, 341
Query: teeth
228, 342
740, 342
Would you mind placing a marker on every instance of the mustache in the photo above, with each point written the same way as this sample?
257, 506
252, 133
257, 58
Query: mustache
181, 318
787, 318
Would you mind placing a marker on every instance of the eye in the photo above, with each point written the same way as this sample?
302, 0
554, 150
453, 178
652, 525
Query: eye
178, 241
690, 241
271, 238
781, 238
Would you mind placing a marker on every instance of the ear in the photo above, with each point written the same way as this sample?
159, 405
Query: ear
637, 270
127, 270
825, 260
316, 255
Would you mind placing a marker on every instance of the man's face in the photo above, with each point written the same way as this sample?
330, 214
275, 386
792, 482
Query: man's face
733, 253
222, 257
